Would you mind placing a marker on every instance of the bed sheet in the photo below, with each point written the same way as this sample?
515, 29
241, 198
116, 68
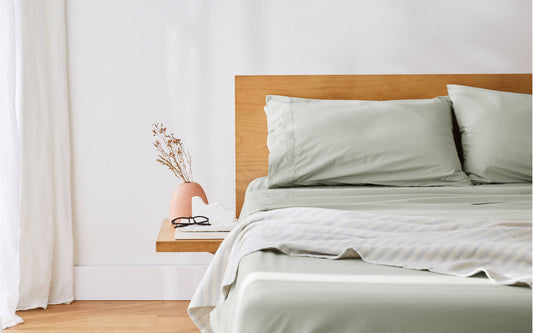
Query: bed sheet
280, 289
499, 200
280, 293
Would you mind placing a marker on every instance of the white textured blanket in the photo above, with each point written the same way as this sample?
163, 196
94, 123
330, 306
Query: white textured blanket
462, 247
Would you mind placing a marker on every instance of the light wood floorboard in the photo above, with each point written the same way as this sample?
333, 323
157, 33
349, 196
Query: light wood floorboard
108, 316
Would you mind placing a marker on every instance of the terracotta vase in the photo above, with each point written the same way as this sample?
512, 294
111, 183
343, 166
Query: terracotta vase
180, 203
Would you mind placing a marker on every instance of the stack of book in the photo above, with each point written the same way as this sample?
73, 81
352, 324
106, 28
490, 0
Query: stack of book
221, 222
213, 231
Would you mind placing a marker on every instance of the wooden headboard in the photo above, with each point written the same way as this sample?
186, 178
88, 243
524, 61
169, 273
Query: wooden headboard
251, 153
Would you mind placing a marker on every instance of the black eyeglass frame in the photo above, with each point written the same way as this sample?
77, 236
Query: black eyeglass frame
193, 218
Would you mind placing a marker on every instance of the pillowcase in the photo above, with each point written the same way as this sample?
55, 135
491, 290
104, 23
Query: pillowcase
495, 132
332, 142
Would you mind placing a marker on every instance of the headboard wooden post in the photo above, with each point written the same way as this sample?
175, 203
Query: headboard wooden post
251, 154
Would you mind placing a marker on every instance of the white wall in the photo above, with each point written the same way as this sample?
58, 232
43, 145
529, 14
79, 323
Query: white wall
134, 62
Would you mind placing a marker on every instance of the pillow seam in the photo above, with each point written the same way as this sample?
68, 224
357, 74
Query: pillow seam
293, 157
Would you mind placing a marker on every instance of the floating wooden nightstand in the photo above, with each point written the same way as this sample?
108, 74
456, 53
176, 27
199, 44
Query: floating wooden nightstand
166, 242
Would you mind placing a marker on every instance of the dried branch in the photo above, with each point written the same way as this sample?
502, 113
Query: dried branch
171, 153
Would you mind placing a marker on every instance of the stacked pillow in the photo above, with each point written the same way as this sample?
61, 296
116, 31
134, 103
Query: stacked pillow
495, 131
399, 143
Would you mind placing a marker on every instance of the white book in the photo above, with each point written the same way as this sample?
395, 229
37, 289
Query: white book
200, 235
214, 227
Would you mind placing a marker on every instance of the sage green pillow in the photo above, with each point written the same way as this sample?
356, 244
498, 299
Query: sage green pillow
333, 142
495, 133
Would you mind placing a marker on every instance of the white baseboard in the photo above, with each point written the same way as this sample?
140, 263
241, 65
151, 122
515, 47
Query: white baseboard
136, 282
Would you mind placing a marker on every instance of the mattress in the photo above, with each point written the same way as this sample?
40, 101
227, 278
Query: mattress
280, 293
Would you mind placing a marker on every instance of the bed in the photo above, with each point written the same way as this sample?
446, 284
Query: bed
274, 272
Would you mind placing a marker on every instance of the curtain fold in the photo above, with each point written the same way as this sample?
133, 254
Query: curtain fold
36, 250
9, 170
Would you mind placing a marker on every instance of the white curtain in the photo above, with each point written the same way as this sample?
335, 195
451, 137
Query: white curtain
35, 205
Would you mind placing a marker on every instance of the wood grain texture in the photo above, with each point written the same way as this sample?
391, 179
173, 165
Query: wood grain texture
251, 153
166, 243
108, 316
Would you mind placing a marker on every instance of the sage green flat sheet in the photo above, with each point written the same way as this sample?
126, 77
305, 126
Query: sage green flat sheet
279, 293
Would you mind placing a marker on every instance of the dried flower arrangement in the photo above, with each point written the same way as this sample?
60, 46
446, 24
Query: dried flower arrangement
171, 153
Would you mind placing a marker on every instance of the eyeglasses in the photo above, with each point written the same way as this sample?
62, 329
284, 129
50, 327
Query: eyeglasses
180, 222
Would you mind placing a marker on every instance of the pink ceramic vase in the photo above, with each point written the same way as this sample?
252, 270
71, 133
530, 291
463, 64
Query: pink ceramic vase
180, 203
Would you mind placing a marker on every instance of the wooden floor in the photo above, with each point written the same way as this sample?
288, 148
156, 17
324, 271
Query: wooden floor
108, 316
